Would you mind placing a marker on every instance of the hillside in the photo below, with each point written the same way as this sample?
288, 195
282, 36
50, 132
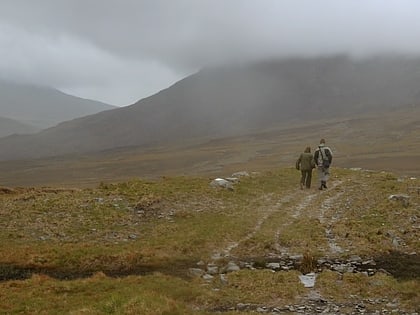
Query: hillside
43, 107
9, 126
232, 101
389, 141
178, 245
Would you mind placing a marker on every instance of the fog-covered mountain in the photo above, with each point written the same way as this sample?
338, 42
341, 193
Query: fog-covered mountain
9, 126
43, 107
234, 100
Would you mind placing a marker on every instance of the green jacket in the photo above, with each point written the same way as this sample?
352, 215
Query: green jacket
305, 162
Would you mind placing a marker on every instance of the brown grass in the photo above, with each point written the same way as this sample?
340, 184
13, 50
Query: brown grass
149, 233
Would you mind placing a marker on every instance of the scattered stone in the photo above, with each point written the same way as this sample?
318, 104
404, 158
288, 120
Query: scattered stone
216, 256
308, 280
207, 277
242, 306
262, 309
220, 182
369, 262
232, 179
403, 199
240, 174
355, 259
296, 257
232, 266
196, 272
212, 269
274, 266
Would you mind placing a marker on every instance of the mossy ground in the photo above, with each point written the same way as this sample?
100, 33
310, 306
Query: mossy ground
126, 248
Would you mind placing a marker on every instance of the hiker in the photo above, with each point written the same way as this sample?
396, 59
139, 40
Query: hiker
305, 163
323, 159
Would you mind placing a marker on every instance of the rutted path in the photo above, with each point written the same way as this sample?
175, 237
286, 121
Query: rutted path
307, 206
320, 205
325, 206
266, 213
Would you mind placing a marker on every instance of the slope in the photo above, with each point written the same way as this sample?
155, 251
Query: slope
43, 106
9, 126
177, 245
235, 100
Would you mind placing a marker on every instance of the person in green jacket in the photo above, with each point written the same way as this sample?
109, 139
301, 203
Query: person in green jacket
305, 163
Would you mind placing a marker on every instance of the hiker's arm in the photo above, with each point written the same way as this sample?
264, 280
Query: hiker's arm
329, 154
316, 157
298, 162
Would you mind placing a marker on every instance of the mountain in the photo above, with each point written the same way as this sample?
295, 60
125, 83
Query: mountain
9, 126
234, 100
43, 107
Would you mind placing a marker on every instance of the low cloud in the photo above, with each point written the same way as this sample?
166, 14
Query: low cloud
120, 51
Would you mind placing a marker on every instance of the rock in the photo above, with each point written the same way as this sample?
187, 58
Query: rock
403, 199
355, 259
296, 257
240, 174
242, 306
262, 310
232, 266
308, 280
395, 242
220, 182
212, 269
207, 277
273, 265
232, 179
195, 272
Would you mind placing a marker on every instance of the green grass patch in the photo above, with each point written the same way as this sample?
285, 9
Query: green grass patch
149, 233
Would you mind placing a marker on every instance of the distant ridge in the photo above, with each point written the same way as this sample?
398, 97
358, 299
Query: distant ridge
234, 100
9, 126
43, 107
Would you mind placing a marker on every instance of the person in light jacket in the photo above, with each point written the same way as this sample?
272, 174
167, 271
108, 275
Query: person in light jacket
323, 159
305, 163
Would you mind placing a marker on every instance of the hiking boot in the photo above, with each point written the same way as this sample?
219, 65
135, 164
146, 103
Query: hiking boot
324, 184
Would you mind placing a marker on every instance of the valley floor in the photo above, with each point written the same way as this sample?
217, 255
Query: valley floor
177, 245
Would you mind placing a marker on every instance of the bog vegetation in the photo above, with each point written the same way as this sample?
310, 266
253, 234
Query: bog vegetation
177, 245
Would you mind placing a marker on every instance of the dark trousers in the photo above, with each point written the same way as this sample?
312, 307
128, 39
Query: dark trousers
306, 178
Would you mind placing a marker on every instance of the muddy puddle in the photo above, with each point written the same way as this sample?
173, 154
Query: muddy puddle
400, 265
12, 272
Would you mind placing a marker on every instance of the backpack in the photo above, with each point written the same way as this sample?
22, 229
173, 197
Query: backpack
325, 157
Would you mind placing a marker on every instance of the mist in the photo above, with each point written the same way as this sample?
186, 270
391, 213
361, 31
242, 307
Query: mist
119, 52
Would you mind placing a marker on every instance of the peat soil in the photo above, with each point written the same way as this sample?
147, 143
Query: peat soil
400, 265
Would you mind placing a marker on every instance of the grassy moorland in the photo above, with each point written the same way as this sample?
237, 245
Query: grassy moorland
387, 141
177, 245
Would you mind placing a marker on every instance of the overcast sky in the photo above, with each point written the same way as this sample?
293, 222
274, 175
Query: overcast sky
119, 51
